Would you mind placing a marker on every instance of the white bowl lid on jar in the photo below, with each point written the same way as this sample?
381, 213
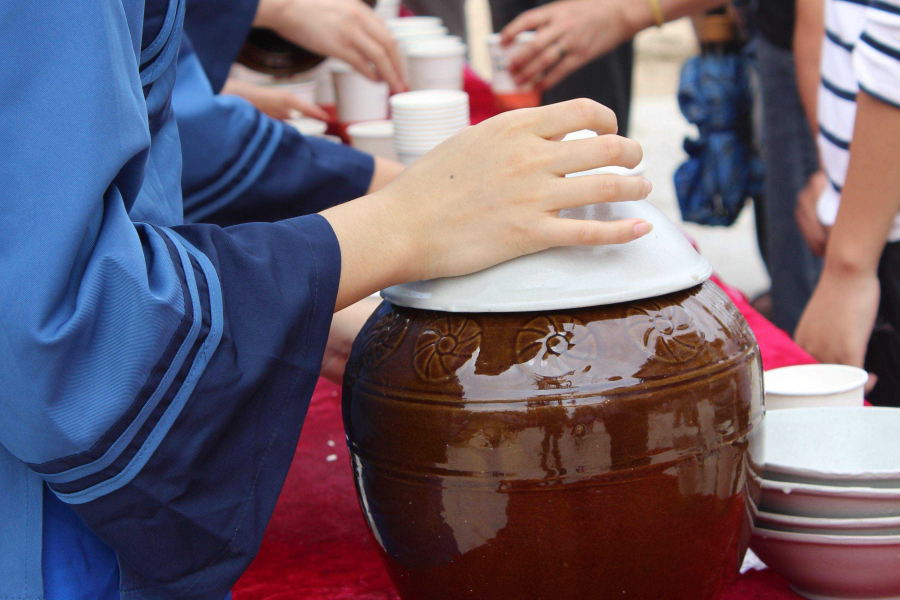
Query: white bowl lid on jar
661, 262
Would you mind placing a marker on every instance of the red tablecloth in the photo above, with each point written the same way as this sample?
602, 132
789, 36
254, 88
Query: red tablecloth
317, 546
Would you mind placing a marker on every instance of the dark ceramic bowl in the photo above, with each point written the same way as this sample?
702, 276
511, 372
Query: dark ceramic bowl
607, 452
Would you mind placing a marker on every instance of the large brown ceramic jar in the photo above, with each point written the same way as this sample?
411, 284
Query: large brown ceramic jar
603, 452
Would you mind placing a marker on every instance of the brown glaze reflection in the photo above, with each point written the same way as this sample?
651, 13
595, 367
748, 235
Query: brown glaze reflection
607, 452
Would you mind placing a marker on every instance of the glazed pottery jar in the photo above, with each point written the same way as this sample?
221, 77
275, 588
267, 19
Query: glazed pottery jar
588, 449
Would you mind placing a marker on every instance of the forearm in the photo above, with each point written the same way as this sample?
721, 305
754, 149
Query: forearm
809, 29
870, 199
638, 14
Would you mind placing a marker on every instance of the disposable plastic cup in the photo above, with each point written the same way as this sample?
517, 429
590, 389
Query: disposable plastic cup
501, 79
435, 65
374, 137
309, 127
359, 98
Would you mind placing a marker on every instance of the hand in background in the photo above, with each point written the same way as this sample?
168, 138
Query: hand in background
345, 29
838, 321
815, 234
277, 103
570, 33
344, 328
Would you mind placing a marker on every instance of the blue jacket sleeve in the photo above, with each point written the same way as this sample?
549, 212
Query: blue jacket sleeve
218, 29
241, 166
155, 375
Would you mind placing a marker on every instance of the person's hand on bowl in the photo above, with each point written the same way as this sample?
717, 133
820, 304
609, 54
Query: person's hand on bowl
488, 194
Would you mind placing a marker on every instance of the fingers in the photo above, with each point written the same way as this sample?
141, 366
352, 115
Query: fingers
575, 232
566, 117
527, 21
591, 189
540, 58
355, 58
378, 55
305, 108
592, 153
391, 66
563, 69
543, 40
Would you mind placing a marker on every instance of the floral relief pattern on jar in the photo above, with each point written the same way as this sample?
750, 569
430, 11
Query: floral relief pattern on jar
556, 345
668, 333
444, 346
384, 338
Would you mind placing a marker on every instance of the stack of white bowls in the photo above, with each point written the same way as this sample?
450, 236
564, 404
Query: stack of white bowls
424, 119
829, 518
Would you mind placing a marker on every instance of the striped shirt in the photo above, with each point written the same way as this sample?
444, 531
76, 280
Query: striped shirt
861, 51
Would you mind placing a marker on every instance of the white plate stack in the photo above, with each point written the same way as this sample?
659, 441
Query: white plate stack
829, 518
424, 119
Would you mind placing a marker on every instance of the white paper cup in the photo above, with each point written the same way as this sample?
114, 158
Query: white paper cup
501, 80
413, 34
408, 158
359, 98
303, 89
309, 127
810, 386
333, 138
423, 22
374, 137
387, 9
435, 65
324, 83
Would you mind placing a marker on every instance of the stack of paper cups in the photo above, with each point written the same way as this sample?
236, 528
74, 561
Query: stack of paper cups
421, 24
387, 9
358, 97
435, 63
424, 119
374, 137
501, 80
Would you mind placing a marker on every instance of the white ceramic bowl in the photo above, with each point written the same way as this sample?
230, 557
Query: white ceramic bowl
836, 446
821, 526
309, 127
806, 500
827, 567
808, 386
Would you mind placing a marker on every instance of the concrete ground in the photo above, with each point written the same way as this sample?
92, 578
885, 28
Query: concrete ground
657, 123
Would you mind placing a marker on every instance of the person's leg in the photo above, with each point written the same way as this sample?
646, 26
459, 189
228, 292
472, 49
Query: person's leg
790, 157
883, 355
